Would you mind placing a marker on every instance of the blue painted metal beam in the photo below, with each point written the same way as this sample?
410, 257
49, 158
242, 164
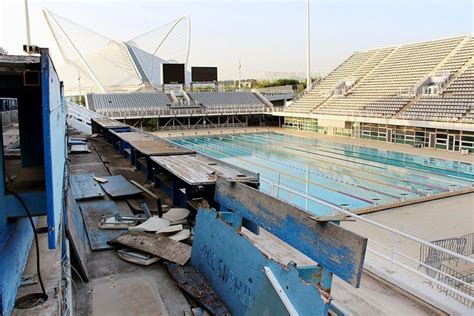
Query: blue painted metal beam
55, 145
330, 245
235, 268
35, 201
15, 245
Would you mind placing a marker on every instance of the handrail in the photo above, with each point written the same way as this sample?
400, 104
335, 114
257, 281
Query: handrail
382, 226
394, 232
74, 108
262, 98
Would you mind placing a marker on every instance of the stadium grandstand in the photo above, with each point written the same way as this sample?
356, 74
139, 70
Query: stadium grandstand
186, 110
420, 94
124, 80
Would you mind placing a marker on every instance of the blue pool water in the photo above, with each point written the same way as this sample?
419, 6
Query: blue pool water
348, 176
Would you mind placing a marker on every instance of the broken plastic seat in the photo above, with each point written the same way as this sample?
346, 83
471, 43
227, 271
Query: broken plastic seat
177, 215
182, 235
170, 229
137, 256
151, 225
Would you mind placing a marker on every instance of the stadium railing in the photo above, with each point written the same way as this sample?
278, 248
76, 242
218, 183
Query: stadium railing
204, 126
79, 117
9, 117
262, 98
448, 283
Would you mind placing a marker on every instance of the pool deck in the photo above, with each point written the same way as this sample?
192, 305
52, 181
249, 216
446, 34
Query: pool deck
433, 220
436, 153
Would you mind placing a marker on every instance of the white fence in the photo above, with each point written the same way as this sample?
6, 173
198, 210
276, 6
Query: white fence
450, 283
79, 117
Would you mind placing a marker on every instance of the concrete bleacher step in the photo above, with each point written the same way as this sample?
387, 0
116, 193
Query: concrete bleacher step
459, 73
408, 106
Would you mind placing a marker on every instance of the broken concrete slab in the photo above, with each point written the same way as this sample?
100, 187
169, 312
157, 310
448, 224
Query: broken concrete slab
132, 296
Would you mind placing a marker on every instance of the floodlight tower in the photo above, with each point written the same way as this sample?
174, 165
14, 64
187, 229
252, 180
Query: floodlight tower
27, 22
308, 50
240, 74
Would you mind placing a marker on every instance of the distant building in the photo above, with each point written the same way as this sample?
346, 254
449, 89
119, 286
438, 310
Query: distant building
96, 63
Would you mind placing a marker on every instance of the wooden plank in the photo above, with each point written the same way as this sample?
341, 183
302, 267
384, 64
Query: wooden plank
135, 183
156, 245
92, 213
117, 186
195, 284
159, 148
77, 235
85, 187
109, 123
333, 247
132, 136
199, 170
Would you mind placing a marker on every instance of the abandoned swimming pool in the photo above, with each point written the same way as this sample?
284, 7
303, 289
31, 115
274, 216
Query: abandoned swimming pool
333, 174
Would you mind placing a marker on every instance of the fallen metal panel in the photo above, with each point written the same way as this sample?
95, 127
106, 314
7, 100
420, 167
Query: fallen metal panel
92, 213
77, 234
85, 187
280, 303
14, 248
235, 268
117, 186
330, 245
195, 284
159, 148
79, 148
156, 245
197, 169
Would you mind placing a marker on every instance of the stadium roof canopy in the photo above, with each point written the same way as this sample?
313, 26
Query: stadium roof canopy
96, 63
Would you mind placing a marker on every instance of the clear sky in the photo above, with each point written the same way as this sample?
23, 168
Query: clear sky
266, 35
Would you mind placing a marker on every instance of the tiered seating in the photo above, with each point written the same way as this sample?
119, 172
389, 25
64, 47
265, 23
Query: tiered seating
464, 85
320, 92
457, 102
228, 102
115, 104
457, 60
90, 102
440, 108
387, 89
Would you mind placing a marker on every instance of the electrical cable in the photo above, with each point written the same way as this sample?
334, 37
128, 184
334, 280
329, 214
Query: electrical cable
38, 265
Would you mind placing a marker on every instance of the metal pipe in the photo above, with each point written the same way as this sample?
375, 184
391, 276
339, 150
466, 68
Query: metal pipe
418, 273
392, 250
27, 22
376, 224
308, 49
